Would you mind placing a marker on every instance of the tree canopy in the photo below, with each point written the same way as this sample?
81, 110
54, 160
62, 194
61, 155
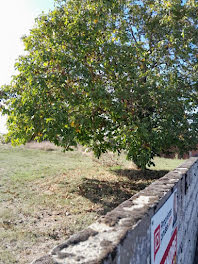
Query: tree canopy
111, 75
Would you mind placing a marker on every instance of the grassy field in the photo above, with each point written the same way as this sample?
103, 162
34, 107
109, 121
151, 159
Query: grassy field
47, 195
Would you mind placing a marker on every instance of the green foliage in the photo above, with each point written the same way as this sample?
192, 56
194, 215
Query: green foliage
111, 75
2, 139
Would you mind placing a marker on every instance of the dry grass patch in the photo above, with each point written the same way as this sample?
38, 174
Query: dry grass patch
45, 145
46, 196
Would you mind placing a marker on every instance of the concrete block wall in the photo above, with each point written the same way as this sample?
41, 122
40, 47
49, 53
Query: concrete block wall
123, 236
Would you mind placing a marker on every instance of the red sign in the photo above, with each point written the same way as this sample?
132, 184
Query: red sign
171, 251
156, 240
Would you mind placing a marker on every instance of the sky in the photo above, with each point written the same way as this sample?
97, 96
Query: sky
16, 19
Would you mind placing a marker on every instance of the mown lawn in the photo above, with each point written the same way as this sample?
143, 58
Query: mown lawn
46, 196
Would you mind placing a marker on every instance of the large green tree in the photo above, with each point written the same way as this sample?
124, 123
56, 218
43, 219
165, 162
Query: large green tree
112, 75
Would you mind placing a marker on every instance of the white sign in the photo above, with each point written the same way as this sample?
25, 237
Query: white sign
164, 233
